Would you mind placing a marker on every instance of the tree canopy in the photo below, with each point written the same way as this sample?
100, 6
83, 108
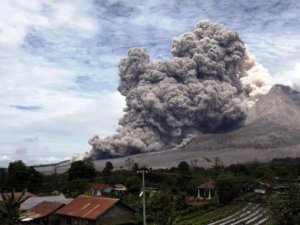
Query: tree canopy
81, 170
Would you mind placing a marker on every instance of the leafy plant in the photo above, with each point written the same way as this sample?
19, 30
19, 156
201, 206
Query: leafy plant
285, 207
10, 208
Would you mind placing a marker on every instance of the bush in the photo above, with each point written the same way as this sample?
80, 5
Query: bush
285, 208
227, 190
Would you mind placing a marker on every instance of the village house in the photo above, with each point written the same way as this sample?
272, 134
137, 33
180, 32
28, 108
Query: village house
262, 188
119, 189
206, 190
99, 189
43, 213
95, 211
33, 201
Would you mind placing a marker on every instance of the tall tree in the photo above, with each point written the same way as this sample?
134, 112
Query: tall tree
35, 180
81, 170
184, 167
108, 168
18, 176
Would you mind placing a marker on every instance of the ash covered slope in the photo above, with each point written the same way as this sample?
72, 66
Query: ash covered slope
281, 106
272, 123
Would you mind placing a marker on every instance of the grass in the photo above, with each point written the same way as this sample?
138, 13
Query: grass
271, 222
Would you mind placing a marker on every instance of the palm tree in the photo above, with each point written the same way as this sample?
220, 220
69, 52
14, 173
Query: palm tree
10, 208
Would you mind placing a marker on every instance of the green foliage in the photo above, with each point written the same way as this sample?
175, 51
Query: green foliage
253, 197
285, 208
264, 172
19, 177
292, 165
108, 169
183, 167
74, 188
2, 177
35, 180
227, 190
81, 170
54, 182
133, 183
10, 208
240, 170
191, 187
206, 214
158, 212
135, 167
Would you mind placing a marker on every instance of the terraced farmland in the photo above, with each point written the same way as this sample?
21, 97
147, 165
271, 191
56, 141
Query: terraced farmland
251, 214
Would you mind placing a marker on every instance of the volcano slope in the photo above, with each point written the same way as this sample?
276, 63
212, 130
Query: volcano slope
272, 130
272, 123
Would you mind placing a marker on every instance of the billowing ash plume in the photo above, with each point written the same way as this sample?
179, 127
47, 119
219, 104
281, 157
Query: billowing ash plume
206, 87
256, 80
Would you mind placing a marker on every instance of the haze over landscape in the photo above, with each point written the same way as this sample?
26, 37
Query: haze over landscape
59, 78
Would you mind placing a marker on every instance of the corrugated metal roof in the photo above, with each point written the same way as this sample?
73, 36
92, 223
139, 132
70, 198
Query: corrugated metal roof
87, 207
41, 210
98, 186
33, 201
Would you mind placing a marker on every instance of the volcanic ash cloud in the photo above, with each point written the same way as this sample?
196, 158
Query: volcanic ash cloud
207, 86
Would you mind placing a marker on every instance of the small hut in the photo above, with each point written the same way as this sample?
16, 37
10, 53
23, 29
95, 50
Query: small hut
206, 190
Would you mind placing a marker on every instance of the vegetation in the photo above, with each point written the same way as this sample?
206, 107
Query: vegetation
108, 169
19, 176
81, 170
227, 190
10, 208
167, 189
285, 208
208, 214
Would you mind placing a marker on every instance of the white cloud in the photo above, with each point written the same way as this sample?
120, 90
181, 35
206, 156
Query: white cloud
17, 16
4, 158
62, 127
289, 77
61, 118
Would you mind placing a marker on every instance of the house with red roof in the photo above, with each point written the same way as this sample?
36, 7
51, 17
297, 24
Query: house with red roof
95, 211
99, 189
206, 190
33, 201
42, 213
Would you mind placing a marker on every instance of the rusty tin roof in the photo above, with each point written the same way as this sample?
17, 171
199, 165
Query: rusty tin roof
87, 207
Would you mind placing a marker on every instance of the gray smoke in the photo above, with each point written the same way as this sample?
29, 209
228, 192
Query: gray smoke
198, 90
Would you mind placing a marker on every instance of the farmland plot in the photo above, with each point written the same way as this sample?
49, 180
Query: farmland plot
251, 214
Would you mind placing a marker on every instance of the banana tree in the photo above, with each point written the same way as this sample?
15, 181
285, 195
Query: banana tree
10, 207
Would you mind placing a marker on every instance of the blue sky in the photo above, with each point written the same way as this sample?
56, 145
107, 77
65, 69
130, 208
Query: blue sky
58, 61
